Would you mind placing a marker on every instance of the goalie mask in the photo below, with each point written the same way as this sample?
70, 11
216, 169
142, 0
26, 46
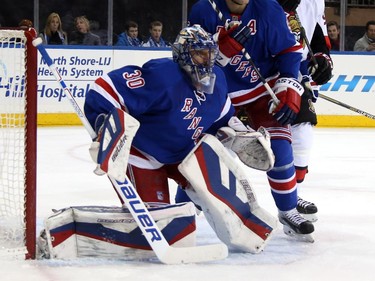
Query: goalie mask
196, 51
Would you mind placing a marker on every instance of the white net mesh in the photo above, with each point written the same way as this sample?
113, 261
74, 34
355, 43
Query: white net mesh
12, 138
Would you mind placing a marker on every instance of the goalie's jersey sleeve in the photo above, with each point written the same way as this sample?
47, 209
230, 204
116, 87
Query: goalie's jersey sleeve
172, 114
272, 46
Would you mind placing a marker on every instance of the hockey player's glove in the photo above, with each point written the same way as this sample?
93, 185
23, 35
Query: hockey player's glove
253, 148
231, 40
289, 92
311, 87
321, 73
289, 5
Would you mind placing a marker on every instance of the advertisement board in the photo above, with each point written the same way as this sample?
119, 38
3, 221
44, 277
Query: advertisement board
79, 69
353, 83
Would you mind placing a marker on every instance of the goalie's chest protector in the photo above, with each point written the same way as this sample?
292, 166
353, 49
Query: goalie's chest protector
171, 127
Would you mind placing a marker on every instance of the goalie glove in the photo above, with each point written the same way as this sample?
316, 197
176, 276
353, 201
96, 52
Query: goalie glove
252, 147
321, 72
289, 92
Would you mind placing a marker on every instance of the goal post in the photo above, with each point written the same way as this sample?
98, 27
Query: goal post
18, 128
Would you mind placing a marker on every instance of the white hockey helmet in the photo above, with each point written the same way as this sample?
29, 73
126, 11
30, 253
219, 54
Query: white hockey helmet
195, 51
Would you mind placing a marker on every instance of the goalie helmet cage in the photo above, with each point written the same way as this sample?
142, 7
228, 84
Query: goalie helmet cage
18, 126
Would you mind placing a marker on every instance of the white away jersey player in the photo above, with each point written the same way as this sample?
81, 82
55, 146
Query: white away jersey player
311, 13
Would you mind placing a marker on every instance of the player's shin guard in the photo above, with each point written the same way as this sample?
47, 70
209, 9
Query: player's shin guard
222, 190
282, 178
302, 135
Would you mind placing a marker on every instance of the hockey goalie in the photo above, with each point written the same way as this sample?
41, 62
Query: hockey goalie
169, 119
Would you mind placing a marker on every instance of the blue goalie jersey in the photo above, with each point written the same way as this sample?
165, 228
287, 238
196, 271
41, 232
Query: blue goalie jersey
171, 112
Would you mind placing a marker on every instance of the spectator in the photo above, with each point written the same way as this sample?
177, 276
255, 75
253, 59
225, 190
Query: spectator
155, 39
82, 35
53, 33
130, 36
333, 29
367, 41
25, 24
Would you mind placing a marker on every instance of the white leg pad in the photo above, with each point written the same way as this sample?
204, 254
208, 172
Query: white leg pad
111, 232
225, 195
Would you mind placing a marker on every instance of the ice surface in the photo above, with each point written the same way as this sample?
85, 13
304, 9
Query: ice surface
340, 182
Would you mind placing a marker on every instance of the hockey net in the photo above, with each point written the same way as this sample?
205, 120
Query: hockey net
18, 109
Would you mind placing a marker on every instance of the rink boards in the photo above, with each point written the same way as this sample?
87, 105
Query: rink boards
353, 83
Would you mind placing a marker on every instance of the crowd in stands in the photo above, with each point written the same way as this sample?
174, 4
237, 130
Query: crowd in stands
130, 37
367, 42
53, 34
364, 44
333, 29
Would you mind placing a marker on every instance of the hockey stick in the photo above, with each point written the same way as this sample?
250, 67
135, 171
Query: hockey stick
304, 36
368, 115
165, 253
307, 42
248, 57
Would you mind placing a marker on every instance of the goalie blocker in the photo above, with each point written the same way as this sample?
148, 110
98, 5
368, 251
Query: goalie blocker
222, 190
111, 148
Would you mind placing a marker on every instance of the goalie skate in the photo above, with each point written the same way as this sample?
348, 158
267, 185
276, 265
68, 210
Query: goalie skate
307, 209
296, 226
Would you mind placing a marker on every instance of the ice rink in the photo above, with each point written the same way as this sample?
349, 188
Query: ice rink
340, 182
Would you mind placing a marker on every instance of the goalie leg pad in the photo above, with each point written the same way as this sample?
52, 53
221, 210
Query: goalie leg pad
111, 232
222, 190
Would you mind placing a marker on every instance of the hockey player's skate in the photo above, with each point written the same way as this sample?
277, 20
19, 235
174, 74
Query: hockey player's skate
307, 209
296, 226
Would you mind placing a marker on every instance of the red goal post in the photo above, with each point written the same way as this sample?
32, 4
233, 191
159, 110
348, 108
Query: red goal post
18, 125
